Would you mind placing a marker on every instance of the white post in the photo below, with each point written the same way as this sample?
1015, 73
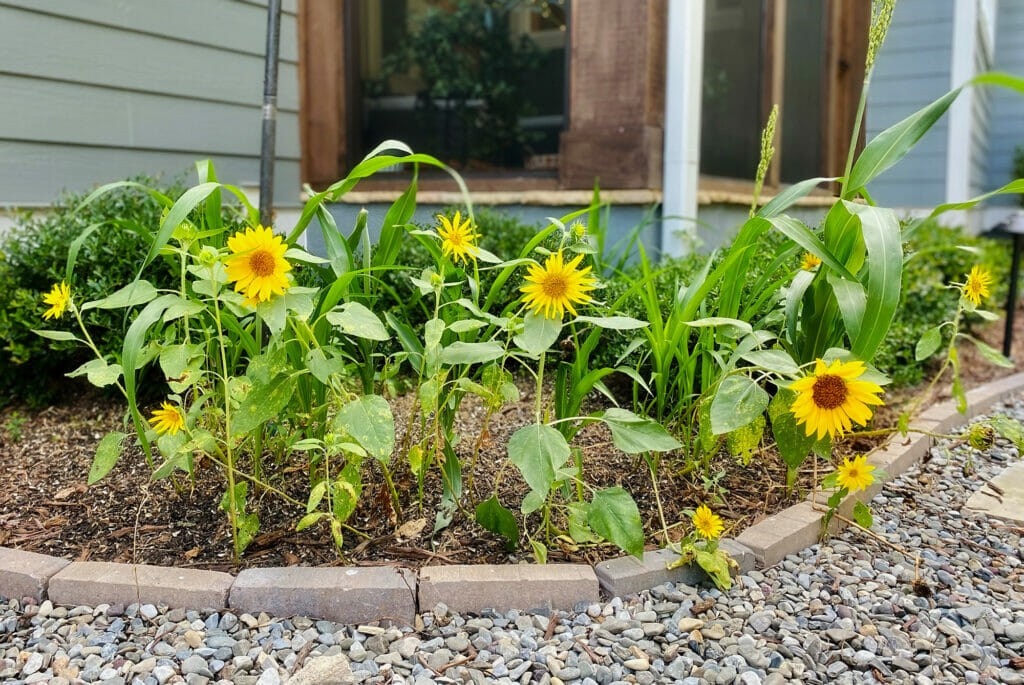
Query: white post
962, 69
683, 79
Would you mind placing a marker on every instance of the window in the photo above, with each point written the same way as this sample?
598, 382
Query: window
480, 84
786, 52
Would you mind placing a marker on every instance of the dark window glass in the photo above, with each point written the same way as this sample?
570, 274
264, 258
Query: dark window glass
479, 84
803, 90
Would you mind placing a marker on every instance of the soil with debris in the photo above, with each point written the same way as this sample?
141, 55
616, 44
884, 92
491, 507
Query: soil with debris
47, 506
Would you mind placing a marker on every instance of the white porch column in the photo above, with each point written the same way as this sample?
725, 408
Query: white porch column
683, 79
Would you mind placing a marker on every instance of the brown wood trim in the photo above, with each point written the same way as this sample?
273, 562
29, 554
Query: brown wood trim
847, 24
773, 77
322, 101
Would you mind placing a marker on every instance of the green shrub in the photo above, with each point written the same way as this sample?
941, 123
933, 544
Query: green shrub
33, 255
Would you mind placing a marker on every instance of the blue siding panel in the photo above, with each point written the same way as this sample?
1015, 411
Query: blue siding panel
1006, 128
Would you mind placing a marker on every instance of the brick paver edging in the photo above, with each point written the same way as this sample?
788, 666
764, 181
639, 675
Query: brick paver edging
389, 594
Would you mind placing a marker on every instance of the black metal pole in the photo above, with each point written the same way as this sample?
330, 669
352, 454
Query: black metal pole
269, 113
1011, 299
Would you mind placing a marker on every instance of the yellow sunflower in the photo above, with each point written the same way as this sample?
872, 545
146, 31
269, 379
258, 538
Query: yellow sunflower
707, 524
58, 298
809, 261
257, 265
976, 287
856, 474
458, 238
167, 419
555, 287
832, 397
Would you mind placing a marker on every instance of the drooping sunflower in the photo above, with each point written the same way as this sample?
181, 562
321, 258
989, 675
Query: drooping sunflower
167, 419
58, 298
809, 261
976, 287
832, 398
458, 240
257, 265
707, 524
557, 286
855, 475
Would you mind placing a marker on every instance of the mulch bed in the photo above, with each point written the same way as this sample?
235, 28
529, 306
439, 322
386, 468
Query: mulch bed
47, 507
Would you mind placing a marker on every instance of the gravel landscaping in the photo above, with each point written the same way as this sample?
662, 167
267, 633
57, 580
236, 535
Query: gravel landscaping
844, 612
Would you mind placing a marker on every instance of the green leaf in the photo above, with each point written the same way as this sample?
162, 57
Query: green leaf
890, 146
308, 520
538, 450
345, 491
862, 515
98, 372
497, 519
711, 321
742, 442
717, 565
323, 367
354, 318
614, 516
636, 434
615, 323
929, 343
881, 231
739, 401
263, 403
791, 439
54, 335
991, 354
471, 353
533, 501
778, 361
790, 196
539, 333
370, 423
135, 293
316, 495
176, 359
466, 325
107, 454
1009, 429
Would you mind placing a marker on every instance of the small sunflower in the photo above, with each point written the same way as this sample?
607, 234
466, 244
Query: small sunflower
707, 524
167, 419
809, 261
555, 287
856, 474
257, 265
976, 287
58, 298
458, 240
831, 398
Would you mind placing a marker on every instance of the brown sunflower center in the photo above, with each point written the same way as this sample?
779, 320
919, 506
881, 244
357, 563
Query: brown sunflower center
262, 263
554, 285
829, 391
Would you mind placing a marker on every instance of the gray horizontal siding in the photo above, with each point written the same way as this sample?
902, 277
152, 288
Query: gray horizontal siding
1006, 127
247, 22
34, 173
97, 91
912, 70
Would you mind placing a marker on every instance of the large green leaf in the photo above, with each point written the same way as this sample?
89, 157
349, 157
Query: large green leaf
539, 333
107, 454
739, 401
636, 434
354, 318
538, 450
135, 293
263, 403
614, 516
99, 372
369, 421
790, 196
497, 519
890, 146
791, 439
805, 238
778, 361
929, 343
881, 231
471, 353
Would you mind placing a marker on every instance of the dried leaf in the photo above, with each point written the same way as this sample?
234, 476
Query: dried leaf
192, 553
411, 529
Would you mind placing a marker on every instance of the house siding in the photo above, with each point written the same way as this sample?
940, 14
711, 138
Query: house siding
100, 91
1006, 126
911, 70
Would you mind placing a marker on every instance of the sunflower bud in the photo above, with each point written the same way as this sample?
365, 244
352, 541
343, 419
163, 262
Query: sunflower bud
436, 280
207, 256
981, 436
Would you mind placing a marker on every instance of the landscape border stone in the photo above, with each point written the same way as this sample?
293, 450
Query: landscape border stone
393, 594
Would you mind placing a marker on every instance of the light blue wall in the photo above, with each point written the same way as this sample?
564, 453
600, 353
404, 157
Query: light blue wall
1006, 127
97, 91
911, 70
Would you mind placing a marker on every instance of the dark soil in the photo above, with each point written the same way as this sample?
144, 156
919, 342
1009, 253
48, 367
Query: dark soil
47, 507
